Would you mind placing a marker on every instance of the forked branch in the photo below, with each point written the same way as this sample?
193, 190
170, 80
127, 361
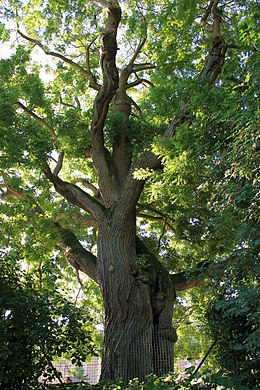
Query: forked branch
58, 167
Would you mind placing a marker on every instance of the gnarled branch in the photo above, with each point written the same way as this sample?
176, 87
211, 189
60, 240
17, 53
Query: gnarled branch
101, 157
80, 258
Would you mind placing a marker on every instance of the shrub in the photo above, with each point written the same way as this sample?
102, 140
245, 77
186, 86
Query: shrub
36, 326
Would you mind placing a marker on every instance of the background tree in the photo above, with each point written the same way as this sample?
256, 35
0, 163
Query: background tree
175, 92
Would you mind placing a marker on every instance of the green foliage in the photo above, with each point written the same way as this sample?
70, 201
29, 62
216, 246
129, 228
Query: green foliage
233, 320
37, 325
205, 196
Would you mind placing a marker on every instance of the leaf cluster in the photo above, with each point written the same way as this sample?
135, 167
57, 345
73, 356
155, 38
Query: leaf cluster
37, 325
233, 320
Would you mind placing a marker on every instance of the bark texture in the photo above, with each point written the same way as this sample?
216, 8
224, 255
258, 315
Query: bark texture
138, 296
138, 291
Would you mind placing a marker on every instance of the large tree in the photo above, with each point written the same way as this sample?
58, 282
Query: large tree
112, 151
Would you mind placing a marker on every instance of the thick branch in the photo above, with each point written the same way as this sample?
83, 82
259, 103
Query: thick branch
150, 160
87, 73
59, 164
39, 119
11, 192
216, 57
101, 157
122, 150
196, 276
217, 19
76, 254
87, 184
213, 65
75, 195
78, 219
205, 16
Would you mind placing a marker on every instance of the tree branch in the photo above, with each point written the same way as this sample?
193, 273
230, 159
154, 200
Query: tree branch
102, 160
82, 220
162, 216
154, 218
107, 4
87, 184
217, 19
92, 81
141, 67
11, 192
206, 14
75, 195
74, 252
39, 119
80, 258
129, 69
196, 276
92, 78
58, 167
139, 81
68, 104
138, 49
216, 57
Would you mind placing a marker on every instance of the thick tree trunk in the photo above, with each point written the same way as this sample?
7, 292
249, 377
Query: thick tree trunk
138, 310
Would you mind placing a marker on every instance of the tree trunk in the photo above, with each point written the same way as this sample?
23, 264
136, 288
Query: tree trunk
138, 307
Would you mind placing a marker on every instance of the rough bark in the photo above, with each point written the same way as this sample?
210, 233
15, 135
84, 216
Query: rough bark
138, 299
128, 315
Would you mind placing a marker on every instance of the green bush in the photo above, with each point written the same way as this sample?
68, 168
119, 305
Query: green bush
233, 318
36, 325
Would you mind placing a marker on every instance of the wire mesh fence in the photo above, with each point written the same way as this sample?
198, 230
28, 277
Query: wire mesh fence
90, 372
149, 351
70, 373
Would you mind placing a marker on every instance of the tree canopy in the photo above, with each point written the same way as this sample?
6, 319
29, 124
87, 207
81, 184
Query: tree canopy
130, 146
